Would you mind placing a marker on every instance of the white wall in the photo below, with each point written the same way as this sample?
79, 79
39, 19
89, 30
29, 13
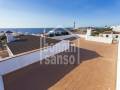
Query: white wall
81, 35
99, 39
109, 35
9, 52
112, 36
21, 61
118, 69
10, 37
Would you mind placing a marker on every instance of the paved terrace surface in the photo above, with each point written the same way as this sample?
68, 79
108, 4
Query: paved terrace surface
96, 71
94, 74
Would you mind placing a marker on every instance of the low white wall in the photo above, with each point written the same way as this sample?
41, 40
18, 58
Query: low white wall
81, 35
99, 39
63, 37
9, 52
112, 36
118, 69
21, 61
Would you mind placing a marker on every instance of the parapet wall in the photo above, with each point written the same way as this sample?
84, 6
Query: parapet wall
17, 62
20, 61
99, 39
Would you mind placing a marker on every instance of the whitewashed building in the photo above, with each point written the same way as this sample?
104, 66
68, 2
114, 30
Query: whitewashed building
116, 28
115, 33
10, 36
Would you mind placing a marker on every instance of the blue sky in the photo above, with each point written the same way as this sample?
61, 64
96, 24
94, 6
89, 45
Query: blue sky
55, 13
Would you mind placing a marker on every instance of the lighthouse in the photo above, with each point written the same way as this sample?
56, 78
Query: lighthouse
74, 25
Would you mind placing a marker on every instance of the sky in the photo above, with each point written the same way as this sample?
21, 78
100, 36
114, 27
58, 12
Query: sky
57, 13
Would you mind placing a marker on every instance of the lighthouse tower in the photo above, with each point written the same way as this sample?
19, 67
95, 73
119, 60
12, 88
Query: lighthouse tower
74, 25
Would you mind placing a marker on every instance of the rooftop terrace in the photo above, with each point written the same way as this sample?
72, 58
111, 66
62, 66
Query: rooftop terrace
96, 71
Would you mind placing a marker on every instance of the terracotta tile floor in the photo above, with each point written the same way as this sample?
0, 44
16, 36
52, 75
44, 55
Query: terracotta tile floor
95, 74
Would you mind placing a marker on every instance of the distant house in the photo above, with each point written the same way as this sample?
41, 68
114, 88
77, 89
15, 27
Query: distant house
116, 28
10, 37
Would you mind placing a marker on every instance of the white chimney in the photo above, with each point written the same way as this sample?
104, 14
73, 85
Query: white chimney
89, 32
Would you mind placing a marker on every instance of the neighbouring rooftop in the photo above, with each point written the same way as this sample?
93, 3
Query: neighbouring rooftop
27, 43
3, 52
79, 31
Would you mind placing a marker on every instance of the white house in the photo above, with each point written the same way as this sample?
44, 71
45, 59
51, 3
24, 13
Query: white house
116, 28
9, 36
115, 33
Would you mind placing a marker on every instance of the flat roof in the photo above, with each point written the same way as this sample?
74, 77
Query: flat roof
3, 54
29, 42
